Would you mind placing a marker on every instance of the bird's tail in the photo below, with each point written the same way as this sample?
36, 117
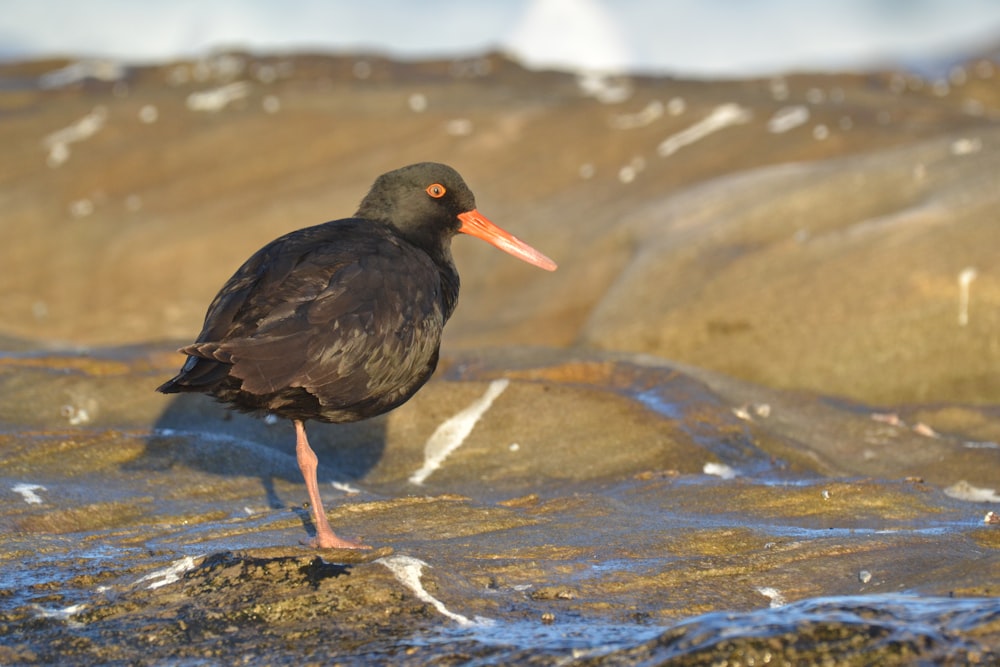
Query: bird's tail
197, 374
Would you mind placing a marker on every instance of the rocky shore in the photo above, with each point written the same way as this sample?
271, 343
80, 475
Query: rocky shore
753, 416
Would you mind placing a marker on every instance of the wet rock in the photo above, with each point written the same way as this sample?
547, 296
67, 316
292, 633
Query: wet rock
756, 421
602, 536
887, 630
846, 253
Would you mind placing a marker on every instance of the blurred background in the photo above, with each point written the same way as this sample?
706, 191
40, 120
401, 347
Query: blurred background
728, 38
800, 194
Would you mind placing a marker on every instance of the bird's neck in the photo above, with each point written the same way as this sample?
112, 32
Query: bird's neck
438, 248
449, 283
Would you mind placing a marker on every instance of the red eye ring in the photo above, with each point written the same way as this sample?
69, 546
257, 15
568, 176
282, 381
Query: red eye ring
436, 190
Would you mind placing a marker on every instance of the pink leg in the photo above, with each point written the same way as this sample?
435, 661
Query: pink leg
325, 537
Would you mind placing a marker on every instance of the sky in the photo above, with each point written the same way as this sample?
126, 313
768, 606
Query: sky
713, 38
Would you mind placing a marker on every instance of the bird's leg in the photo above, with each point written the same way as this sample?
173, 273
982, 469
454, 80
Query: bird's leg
325, 537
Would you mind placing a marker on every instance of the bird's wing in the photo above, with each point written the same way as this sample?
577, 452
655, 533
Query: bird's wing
244, 293
232, 307
343, 326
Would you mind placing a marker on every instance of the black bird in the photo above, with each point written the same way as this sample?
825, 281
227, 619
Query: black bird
342, 321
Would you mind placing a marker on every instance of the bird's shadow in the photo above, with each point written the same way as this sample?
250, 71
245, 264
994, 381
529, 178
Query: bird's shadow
195, 432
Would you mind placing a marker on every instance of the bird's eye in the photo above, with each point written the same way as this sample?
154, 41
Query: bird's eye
436, 190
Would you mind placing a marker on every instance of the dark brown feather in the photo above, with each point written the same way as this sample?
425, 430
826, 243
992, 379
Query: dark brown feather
335, 322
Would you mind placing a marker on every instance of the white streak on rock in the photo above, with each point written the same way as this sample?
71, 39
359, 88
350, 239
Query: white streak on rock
62, 614
149, 114
719, 470
417, 102
676, 106
605, 88
965, 279
102, 70
649, 114
721, 117
964, 491
777, 599
407, 570
169, 574
271, 104
966, 146
78, 131
58, 142
459, 127
980, 444
216, 99
345, 487
450, 435
27, 491
787, 118
629, 172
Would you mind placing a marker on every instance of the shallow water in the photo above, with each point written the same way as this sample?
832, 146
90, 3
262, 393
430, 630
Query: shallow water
501, 641
877, 629
598, 539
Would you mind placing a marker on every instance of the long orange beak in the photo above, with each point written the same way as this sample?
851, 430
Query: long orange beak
475, 224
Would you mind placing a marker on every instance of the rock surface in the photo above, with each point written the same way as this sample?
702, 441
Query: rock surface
808, 478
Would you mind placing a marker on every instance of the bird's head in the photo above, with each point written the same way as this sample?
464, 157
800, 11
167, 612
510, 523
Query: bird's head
428, 203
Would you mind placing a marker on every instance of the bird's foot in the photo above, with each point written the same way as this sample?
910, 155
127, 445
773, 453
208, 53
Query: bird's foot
331, 541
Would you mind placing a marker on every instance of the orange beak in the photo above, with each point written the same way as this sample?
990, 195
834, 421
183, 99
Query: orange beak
475, 224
